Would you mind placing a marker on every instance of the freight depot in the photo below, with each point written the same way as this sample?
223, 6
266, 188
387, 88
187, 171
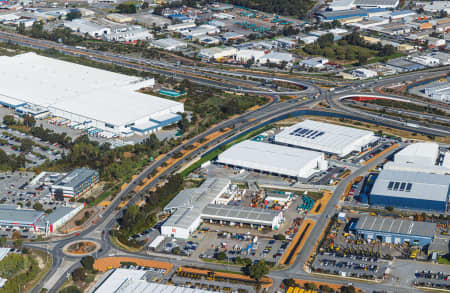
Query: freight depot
83, 97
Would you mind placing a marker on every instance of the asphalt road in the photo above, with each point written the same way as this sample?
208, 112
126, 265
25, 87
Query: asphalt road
238, 124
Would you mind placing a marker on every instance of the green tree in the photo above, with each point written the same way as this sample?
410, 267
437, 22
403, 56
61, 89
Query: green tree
73, 14
21, 28
348, 289
27, 145
3, 241
128, 8
38, 206
70, 289
88, 262
221, 256
258, 270
363, 58
29, 121
18, 243
9, 120
311, 286
289, 282
79, 274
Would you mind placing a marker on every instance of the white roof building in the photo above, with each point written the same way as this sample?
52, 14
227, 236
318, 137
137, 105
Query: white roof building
218, 52
128, 34
192, 206
103, 99
419, 157
363, 73
204, 29
316, 62
4, 252
277, 58
329, 138
84, 26
169, 44
181, 26
247, 54
308, 39
435, 6
133, 281
337, 5
274, 159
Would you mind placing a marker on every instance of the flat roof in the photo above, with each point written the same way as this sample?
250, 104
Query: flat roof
84, 91
376, 2
240, 214
12, 215
343, 13
413, 185
76, 177
396, 226
268, 157
189, 203
117, 278
325, 137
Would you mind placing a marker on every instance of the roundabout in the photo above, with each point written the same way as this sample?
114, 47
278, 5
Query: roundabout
81, 248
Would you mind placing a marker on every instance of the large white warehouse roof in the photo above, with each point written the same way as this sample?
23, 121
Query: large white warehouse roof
419, 157
273, 158
84, 91
131, 281
329, 138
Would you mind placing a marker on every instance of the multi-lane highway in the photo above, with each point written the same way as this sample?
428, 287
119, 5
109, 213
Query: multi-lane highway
244, 82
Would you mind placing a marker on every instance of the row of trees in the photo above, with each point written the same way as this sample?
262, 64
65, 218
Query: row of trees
352, 47
138, 219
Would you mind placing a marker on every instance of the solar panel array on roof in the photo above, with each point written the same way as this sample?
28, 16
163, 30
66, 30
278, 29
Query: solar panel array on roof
399, 186
307, 133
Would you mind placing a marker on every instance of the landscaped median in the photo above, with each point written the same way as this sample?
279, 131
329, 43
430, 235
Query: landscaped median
108, 263
297, 243
265, 282
321, 203
395, 145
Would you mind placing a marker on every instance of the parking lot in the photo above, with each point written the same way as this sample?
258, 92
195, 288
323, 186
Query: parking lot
10, 142
437, 280
370, 268
192, 280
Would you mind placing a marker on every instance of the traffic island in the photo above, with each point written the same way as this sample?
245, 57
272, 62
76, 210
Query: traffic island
81, 248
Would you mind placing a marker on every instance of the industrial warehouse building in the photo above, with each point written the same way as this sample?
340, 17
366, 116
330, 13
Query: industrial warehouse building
421, 157
208, 203
395, 231
75, 183
92, 97
132, 281
273, 159
12, 216
411, 190
325, 137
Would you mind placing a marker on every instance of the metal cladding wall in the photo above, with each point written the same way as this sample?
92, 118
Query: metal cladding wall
407, 203
310, 113
395, 238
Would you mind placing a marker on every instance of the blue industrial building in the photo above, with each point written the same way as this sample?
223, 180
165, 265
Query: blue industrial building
156, 123
336, 15
411, 190
395, 231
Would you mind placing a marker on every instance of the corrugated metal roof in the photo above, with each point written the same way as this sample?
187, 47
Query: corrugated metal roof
76, 177
424, 186
395, 226
20, 216
326, 137
269, 157
239, 214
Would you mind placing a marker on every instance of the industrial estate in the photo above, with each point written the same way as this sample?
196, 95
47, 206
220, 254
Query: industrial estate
257, 146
